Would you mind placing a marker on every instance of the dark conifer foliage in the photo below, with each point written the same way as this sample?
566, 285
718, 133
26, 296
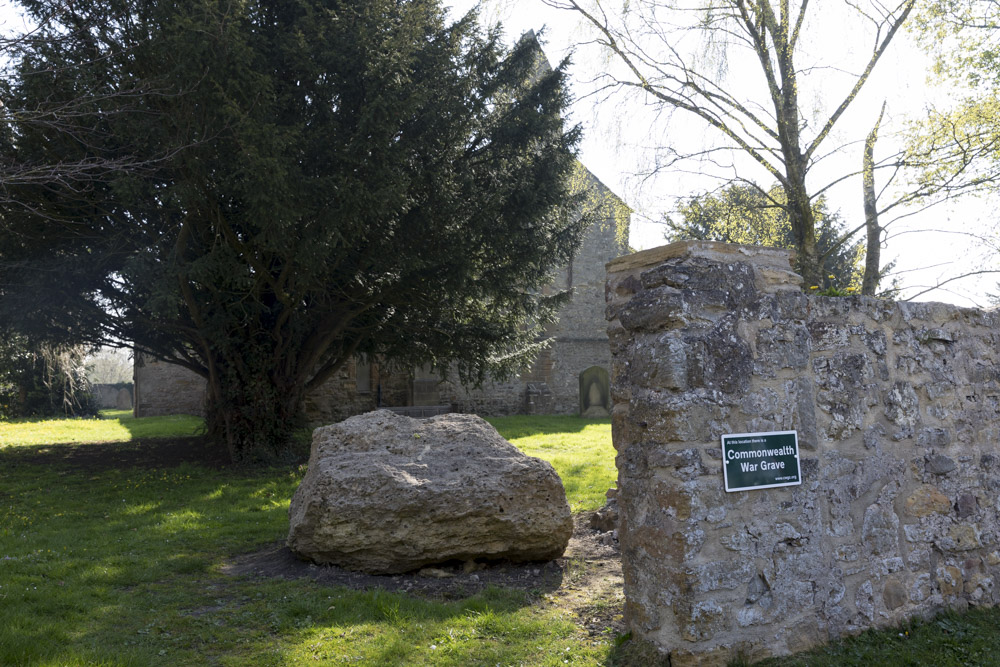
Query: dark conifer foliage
320, 179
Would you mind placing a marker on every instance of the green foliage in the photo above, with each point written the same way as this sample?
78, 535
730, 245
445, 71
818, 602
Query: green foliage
38, 379
957, 150
743, 213
962, 36
321, 179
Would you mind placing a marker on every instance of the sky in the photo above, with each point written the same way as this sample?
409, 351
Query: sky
618, 130
617, 133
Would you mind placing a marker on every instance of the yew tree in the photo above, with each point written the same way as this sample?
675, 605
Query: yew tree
331, 179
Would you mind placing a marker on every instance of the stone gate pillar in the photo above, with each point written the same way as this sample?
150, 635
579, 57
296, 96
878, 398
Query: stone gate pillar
679, 373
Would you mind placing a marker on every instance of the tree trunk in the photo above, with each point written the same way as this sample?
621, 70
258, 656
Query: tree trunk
873, 248
800, 214
254, 416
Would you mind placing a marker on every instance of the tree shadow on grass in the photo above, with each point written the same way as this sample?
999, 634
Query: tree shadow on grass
146, 453
154, 580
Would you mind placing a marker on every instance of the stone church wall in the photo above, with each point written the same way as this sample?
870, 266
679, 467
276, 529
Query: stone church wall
165, 389
897, 409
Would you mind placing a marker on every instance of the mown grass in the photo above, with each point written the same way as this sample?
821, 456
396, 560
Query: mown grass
111, 426
579, 449
124, 567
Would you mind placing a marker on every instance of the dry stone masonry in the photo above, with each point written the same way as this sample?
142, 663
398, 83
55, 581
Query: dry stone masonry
897, 411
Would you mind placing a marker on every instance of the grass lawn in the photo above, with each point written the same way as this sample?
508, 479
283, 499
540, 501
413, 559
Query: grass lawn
579, 449
124, 567
113, 426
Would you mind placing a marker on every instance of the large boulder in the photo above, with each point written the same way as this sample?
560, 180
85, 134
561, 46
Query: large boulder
385, 494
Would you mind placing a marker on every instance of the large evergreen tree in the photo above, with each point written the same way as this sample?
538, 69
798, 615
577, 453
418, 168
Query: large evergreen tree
330, 179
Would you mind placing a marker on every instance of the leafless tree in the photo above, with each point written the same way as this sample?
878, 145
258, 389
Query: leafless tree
647, 42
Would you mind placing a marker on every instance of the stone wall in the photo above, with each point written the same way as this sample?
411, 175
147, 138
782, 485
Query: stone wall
897, 409
166, 389
341, 396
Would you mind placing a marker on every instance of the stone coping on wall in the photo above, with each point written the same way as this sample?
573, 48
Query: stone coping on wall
773, 264
897, 411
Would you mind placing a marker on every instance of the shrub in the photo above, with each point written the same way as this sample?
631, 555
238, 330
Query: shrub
40, 379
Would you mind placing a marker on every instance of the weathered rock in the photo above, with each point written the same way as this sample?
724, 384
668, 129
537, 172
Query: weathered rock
927, 500
606, 518
950, 580
894, 594
386, 494
966, 505
939, 464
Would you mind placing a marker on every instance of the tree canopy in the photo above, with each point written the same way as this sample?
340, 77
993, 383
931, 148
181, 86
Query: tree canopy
957, 149
328, 179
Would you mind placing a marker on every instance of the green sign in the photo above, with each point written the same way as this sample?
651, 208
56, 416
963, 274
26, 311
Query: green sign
760, 460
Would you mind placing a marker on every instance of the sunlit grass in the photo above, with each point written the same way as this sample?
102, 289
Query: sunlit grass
579, 449
124, 567
111, 426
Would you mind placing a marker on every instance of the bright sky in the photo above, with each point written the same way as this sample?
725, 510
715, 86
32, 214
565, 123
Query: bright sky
617, 133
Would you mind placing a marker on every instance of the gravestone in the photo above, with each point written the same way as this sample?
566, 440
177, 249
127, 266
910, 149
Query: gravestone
595, 393
123, 401
538, 399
